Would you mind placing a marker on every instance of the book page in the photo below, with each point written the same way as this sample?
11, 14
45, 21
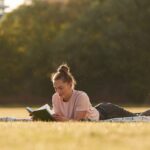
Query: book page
47, 107
29, 109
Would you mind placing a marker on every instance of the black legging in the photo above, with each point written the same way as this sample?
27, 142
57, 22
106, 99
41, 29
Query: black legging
109, 110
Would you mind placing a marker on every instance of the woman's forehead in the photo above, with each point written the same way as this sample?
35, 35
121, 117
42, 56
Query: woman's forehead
59, 83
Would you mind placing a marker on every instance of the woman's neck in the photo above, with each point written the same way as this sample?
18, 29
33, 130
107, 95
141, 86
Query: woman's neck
67, 98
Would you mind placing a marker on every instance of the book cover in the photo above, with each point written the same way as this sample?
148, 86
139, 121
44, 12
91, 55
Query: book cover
43, 113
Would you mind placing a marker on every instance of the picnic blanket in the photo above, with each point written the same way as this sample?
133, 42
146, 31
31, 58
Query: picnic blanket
123, 119
130, 119
7, 119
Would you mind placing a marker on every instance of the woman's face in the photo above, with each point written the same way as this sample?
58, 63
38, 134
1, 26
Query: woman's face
62, 88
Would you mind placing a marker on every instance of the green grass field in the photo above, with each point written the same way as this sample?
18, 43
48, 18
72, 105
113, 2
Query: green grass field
71, 135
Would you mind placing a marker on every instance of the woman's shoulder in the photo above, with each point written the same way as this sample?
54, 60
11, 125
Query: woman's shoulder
82, 98
81, 93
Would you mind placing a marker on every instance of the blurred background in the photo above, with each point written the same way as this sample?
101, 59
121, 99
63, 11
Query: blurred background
105, 42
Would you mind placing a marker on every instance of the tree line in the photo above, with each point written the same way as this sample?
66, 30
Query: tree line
105, 42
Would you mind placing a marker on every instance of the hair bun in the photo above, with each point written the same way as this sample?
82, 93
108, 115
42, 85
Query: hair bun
64, 68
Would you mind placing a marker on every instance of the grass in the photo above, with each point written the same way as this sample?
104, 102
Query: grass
71, 135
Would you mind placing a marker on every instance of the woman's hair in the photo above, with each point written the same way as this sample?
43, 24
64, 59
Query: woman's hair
63, 73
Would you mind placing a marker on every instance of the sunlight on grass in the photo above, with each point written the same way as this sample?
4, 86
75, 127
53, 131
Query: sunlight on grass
71, 135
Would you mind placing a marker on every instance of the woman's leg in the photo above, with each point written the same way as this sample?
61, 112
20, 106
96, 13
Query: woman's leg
145, 113
109, 110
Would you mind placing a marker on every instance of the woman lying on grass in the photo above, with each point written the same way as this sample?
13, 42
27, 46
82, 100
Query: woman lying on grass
70, 104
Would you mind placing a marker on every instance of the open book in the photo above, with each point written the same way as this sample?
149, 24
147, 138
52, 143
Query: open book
43, 113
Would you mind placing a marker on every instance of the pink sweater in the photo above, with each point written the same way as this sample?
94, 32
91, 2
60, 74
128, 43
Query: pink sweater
79, 101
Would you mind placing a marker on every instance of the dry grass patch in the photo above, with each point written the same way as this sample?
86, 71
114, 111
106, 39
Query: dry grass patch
71, 135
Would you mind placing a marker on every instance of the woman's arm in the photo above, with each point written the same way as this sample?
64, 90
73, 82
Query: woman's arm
58, 117
78, 116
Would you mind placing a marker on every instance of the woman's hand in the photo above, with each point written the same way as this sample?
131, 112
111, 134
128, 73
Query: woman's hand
58, 117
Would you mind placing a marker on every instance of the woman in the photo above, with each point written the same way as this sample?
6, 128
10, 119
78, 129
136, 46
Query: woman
70, 104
